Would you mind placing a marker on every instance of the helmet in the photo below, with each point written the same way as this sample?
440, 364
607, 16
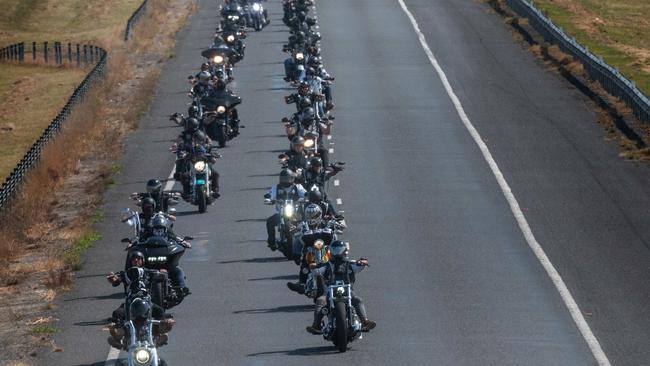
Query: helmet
192, 124
139, 309
316, 161
199, 137
159, 225
308, 115
287, 177
315, 196
304, 102
313, 214
314, 61
154, 185
339, 249
148, 207
205, 66
135, 254
204, 77
297, 141
310, 71
193, 111
303, 89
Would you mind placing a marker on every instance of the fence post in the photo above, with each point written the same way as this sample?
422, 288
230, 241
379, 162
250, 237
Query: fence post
22, 51
92, 54
56, 52
78, 55
33, 51
45, 52
69, 52
85, 54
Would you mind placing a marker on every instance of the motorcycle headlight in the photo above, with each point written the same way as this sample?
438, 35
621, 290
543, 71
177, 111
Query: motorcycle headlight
230, 38
218, 59
142, 356
256, 7
340, 291
199, 166
288, 210
300, 56
309, 143
221, 109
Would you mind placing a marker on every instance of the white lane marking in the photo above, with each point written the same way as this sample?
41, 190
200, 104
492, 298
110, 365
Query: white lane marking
561, 287
329, 137
170, 180
331, 150
336, 182
339, 201
113, 354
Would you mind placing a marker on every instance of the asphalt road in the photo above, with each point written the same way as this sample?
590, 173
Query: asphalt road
453, 281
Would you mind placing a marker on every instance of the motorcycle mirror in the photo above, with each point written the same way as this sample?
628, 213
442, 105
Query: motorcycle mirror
171, 209
267, 201
190, 77
126, 240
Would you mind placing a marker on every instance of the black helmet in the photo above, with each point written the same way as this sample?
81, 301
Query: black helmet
308, 115
311, 71
139, 309
193, 111
199, 137
287, 177
154, 186
205, 66
159, 222
220, 84
297, 141
316, 161
303, 88
315, 196
148, 207
135, 254
339, 249
192, 124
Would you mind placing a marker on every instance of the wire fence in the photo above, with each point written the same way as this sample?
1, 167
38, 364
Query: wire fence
133, 20
52, 52
16, 52
609, 77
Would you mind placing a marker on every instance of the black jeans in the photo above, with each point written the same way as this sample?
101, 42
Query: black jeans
271, 223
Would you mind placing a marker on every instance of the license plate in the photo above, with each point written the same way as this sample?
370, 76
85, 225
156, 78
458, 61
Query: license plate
200, 181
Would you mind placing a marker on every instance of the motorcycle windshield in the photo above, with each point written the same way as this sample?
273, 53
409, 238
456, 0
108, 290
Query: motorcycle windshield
211, 102
218, 50
324, 235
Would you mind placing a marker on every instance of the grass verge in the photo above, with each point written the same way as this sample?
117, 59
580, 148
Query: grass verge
617, 30
72, 257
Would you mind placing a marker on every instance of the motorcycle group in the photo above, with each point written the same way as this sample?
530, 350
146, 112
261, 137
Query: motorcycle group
306, 226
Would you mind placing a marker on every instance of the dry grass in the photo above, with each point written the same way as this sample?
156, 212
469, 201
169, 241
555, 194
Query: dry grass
57, 206
617, 30
31, 96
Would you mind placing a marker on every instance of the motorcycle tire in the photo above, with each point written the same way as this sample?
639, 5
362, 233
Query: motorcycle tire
222, 136
258, 25
202, 200
341, 331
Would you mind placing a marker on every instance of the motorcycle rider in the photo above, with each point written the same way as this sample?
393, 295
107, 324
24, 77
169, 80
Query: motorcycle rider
310, 124
286, 189
316, 175
295, 158
202, 87
220, 91
154, 190
340, 268
202, 149
116, 328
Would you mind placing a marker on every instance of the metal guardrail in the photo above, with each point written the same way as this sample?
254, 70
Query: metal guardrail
12, 184
133, 20
609, 77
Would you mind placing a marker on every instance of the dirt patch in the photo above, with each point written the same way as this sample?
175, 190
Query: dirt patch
76, 168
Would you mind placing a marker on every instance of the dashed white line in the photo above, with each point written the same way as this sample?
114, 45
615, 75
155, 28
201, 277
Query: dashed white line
557, 280
170, 180
329, 137
339, 201
336, 182
331, 150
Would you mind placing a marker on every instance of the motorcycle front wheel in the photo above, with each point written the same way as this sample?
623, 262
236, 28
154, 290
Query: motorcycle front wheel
341, 331
202, 199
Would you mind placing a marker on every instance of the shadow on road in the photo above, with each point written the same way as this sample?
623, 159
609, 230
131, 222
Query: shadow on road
117, 295
286, 277
257, 260
308, 351
279, 309
94, 322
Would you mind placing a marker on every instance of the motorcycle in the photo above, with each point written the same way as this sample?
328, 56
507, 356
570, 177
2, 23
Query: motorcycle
194, 175
342, 325
256, 16
289, 212
219, 57
159, 254
219, 122
141, 346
